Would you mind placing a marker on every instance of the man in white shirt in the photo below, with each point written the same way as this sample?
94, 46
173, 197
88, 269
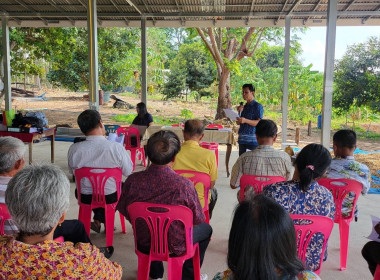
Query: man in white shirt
96, 151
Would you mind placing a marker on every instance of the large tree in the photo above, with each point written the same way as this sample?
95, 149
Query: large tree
357, 77
227, 47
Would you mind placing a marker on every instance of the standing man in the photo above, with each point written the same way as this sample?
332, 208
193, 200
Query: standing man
96, 151
195, 158
249, 118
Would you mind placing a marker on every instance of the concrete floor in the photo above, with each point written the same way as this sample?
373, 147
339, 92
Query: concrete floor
215, 259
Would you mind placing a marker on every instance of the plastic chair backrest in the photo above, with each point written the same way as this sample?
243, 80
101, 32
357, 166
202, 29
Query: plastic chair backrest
339, 189
4, 215
111, 128
305, 232
258, 182
377, 273
158, 223
98, 178
214, 126
129, 132
198, 177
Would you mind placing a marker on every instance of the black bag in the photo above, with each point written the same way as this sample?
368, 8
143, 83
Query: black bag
20, 121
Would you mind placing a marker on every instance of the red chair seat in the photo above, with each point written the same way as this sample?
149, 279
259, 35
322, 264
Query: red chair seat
4, 215
257, 182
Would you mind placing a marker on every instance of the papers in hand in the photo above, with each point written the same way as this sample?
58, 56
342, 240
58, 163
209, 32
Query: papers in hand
114, 138
231, 114
374, 235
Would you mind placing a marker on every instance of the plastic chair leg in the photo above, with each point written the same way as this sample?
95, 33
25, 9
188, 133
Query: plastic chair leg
175, 268
133, 158
196, 264
110, 222
217, 157
84, 216
143, 157
122, 222
344, 232
207, 215
143, 267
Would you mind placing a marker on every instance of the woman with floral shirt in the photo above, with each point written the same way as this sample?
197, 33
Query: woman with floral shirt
37, 198
303, 195
262, 244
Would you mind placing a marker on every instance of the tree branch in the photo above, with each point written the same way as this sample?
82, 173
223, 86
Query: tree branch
257, 42
215, 47
209, 47
243, 47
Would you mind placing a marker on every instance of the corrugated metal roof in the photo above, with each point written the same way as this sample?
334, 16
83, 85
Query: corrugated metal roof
188, 13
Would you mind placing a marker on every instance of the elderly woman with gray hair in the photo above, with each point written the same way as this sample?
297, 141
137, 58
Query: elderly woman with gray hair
37, 198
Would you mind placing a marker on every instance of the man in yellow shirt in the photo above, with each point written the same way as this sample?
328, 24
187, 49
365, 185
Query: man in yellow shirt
195, 158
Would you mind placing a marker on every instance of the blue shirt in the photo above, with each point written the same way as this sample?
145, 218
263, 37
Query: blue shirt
251, 111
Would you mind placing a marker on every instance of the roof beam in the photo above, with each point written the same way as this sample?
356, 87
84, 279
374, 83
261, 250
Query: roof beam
119, 10
22, 3
368, 17
314, 9
347, 6
51, 2
282, 10
179, 15
134, 6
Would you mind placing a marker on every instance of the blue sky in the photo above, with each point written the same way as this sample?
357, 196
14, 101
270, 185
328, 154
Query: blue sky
313, 42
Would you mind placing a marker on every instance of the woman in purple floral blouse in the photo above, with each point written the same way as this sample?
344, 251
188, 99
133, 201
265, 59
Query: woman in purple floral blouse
37, 198
303, 195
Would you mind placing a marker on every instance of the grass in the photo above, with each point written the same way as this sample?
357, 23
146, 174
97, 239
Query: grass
162, 120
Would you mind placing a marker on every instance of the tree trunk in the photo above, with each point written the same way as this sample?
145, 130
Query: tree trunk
224, 99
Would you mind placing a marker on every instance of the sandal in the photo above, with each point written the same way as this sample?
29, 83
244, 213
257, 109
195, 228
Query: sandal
107, 251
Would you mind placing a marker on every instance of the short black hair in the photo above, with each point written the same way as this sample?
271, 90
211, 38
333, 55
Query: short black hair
345, 138
266, 128
312, 162
89, 120
262, 240
194, 127
249, 86
162, 147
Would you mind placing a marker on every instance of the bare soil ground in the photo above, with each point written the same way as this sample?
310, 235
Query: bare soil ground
62, 108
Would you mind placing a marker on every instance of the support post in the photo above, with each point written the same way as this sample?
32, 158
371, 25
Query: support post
329, 72
144, 83
7, 64
285, 89
93, 54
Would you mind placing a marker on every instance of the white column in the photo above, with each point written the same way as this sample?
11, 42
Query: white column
93, 55
7, 64
285, 89
329, 72
144, 64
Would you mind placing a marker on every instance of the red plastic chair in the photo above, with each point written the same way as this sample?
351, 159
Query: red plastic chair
339, 189
98, 178
304, 233
218, 126
258, 182
59, 239
158, 224
130, 132
178, 125
4, 215
377, 273
213, 147
202, 178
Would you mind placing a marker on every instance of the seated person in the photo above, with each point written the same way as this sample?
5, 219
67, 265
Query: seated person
37, 198
344, 166
160, 184
264, 160
96, 151
263, 246
11, 162
143, 117
194, 157
371, 252
303, 195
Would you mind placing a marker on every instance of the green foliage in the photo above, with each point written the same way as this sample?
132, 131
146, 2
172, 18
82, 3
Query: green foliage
191, 70
187, 114
128, 118
162, 120
357, 77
